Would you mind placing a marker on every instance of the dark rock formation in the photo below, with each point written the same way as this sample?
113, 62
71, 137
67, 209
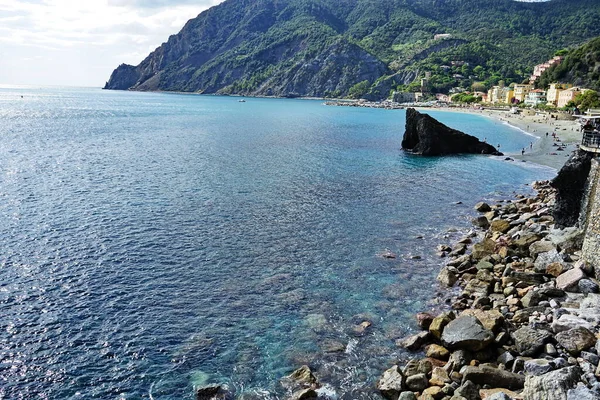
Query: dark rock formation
122, 78
570, 186
426, 136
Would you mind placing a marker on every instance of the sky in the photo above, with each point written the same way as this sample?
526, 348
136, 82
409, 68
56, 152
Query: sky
80, 42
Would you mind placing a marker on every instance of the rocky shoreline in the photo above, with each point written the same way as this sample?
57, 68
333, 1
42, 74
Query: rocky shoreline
524, 325
522, 311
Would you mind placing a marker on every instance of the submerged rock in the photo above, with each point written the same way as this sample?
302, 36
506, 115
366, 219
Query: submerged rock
426, 136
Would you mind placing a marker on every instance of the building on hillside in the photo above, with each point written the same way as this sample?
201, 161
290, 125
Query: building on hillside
444, 98
536, 97
498, 94
406, 97
568, 95
539, 69
521, 92
554, 90
509, 96
440, 36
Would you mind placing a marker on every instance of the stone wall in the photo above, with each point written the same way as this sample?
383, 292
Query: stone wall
591, 218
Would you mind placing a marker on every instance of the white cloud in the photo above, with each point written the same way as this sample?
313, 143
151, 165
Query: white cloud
94, 35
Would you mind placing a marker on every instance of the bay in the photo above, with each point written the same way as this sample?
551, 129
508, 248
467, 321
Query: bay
152, 242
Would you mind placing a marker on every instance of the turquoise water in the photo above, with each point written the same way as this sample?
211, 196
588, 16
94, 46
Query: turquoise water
153, 242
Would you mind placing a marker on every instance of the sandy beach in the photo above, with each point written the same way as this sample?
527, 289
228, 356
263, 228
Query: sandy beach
545, 149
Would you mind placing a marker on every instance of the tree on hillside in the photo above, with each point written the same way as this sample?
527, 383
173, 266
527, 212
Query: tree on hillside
588, 99
359, 90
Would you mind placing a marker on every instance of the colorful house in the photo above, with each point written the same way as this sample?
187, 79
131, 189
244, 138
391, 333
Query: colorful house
498, 94
568, 95
539, 69
536, 97
554, 91
521, 92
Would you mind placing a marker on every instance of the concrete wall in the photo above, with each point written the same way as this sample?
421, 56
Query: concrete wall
590, 218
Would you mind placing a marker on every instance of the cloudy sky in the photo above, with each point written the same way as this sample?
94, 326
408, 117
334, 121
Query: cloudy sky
80, 42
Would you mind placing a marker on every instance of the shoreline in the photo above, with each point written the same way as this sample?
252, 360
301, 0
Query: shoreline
522, 322
545, 150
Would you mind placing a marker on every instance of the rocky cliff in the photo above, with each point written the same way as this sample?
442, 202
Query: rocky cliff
325, 47
426, 136
570, 188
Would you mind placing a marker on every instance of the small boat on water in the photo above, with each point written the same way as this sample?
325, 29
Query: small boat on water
242, 101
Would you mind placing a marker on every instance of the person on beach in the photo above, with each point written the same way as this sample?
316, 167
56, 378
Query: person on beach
530, 145
523, 151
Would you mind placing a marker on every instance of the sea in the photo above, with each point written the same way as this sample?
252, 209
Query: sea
154, 243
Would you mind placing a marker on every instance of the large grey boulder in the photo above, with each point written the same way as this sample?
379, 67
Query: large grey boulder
529, 341
466, 332
391, 384
494, 377
551, 386
576, 340
426, 136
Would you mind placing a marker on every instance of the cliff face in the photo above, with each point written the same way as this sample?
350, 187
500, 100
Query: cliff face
426, 136
570, 188
324, 47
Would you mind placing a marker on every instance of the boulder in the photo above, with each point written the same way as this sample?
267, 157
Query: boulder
415, 342
568, 239
439, 377
439, 323
540, 247
407, 396
575, 340
300, 378
390, 385
468, 390
568, 321
417, 383
581, 392
569, 280
212, 392
426, 136
476, 287
483, 207
500, 225
529, 341
433, 392
544, 259
481, 222
538, 366
466, 332
305, 394
424, 320
436, 351
483, 249
491, 319
494, 377
551, 386
447, 276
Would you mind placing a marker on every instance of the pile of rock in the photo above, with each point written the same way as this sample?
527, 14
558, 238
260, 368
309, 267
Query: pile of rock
525, 322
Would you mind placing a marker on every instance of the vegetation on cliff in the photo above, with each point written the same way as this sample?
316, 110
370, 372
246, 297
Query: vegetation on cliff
581, 67
327, 47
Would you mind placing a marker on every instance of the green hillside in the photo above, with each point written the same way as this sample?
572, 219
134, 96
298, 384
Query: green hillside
341, 47
581, 67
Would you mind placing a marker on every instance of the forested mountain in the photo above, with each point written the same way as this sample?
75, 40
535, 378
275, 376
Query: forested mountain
327, 47
581, 67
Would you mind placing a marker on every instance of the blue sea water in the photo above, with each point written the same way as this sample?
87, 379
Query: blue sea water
150, 243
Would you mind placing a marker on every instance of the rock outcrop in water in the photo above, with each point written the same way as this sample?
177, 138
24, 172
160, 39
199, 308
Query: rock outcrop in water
570, 187
426, 136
